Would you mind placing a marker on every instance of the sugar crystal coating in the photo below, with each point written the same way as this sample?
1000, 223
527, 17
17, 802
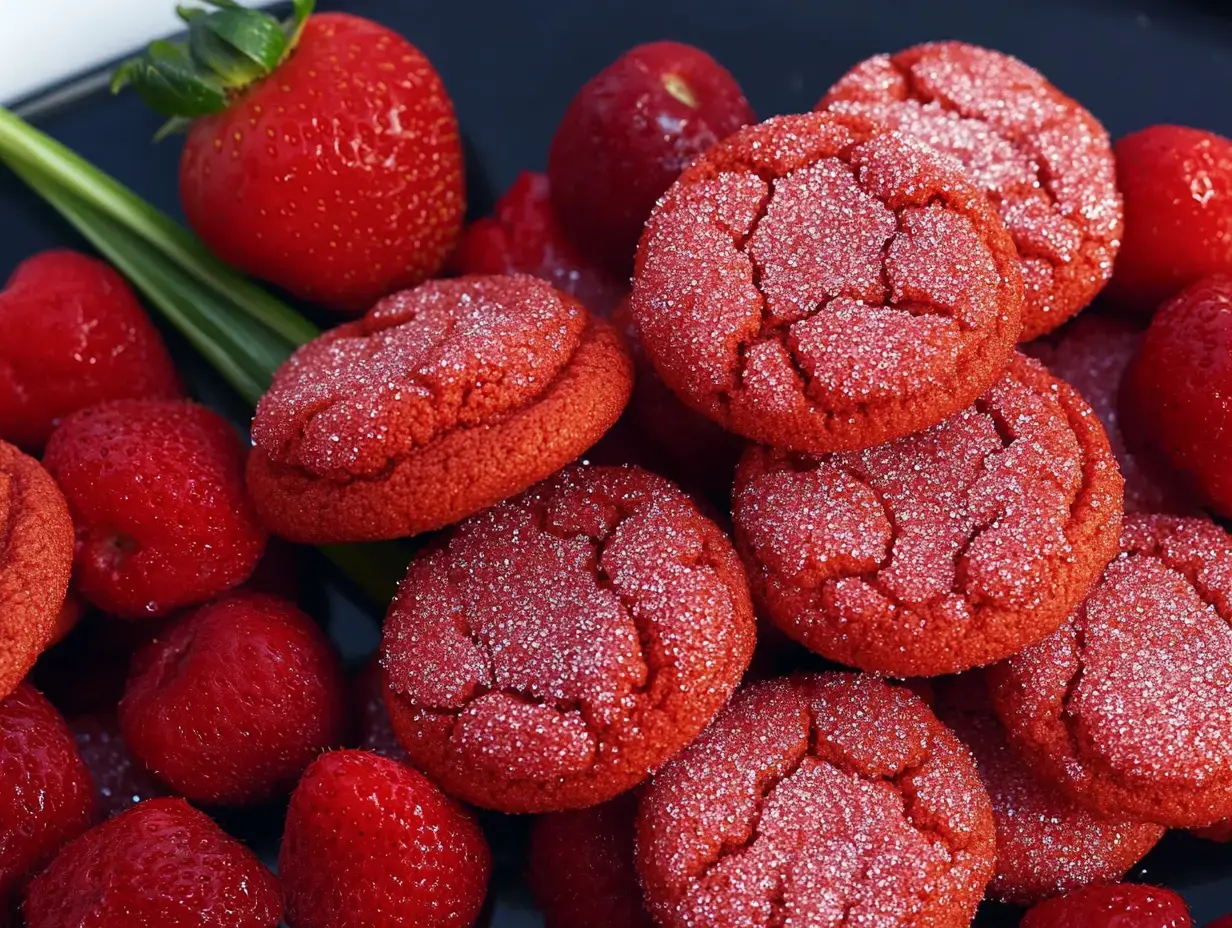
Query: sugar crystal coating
551, 651
817, 283
1043, 160
945, 550
1046, 843
827, 799
440, 401
1127, 707
36, 557
1092, 354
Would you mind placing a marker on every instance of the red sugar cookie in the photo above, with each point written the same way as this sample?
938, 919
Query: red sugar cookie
1128, 705
233, 701
553, 650
438, 403
697, 451
156, 489
72, 334
36, 557
1043, 160
1177, 400
372, 842
581, 867
1091, 354
120, 782
942, 551
524, 237
160, 863
820, 799
1177, 184
1123, 905
818, 283
46, 797
1046, 843
628, 133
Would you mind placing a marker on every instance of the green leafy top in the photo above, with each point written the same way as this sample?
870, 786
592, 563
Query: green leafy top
226, 50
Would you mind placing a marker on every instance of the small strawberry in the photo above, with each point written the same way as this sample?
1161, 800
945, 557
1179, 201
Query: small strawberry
523, 236
46, 796
1120, 905
369, 841
71, 335
628, 134
324, 156
233, 701
162, 863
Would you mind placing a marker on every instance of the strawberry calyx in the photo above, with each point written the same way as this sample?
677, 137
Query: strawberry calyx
226, 50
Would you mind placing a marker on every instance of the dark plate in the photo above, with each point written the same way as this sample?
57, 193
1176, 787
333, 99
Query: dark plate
511, 67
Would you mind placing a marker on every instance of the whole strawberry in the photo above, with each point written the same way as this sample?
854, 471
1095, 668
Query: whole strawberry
369, 842
324, 156
72, 334
628, 134
162, 863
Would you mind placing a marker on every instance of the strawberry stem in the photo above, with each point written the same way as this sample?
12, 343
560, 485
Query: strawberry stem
226, 50
243, 331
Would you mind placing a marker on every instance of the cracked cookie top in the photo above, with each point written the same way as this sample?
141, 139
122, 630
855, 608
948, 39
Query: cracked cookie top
945, 550
1128, 706
1047, 844
818, 283
449, 354
1042, 159
830, 799
554, 649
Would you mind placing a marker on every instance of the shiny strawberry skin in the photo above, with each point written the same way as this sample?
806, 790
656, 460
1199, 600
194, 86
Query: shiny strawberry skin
339, 178
369, 841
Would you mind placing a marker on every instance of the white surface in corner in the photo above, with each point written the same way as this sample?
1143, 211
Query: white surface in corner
44, 42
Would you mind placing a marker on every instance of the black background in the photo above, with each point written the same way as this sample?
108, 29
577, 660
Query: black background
511, 68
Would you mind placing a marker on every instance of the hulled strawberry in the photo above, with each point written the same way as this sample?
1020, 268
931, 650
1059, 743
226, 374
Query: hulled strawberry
322, 154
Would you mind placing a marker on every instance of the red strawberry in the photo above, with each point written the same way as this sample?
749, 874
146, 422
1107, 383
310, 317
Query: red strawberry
369, 841
1121, 905
71, 335
156, 488
628, 134
119, 781
524, 237
46, 796
1224, 922
232, 703
162, 863
327, 162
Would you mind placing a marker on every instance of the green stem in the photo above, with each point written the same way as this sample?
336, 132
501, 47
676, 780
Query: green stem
22, 143
245, 355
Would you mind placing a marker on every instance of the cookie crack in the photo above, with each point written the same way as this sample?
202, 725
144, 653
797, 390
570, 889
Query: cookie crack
813, 748
394, 461
1021, 144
